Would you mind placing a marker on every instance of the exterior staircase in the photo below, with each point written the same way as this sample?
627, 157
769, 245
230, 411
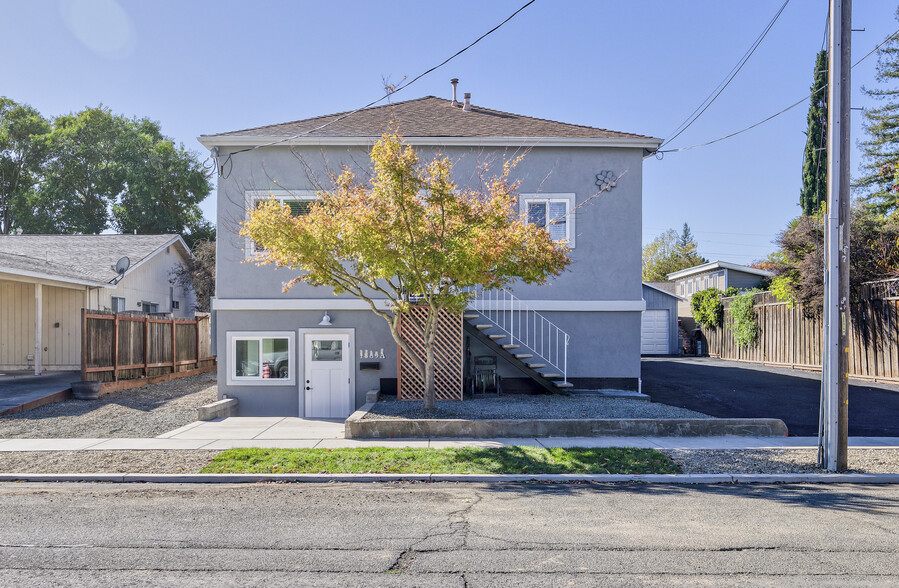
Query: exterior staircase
521, 336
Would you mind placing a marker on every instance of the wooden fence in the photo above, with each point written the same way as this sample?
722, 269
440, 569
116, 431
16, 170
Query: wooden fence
131, 346
447, 361
787, 337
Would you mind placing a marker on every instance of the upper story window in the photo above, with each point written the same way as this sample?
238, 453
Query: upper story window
552, 211
299, 202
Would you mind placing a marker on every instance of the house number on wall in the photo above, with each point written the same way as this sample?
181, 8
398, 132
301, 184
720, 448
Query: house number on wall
372, 354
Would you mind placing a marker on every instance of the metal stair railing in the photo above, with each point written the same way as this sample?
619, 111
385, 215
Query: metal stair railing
525, 327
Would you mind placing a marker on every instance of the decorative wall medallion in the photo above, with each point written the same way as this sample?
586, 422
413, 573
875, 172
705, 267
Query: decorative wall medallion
606, 180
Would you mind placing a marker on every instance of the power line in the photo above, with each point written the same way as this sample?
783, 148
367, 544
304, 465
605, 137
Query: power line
775, 115
389, 93
720, 88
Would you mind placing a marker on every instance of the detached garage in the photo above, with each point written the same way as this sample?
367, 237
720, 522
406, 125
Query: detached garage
658, 327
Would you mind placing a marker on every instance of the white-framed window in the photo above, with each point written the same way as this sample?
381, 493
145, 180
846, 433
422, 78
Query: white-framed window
299, 202
683, 288
176, 304
552, 211
261, 358
117, 304
148, 306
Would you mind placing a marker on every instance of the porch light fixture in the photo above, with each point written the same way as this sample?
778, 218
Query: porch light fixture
326, 320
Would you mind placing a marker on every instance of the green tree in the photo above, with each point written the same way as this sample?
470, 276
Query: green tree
103, 170
670, 252
23, 142
880, 151
873, 246
164, 183
814, 163
410, 237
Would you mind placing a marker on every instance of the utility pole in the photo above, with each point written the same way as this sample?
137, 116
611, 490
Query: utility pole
835, 372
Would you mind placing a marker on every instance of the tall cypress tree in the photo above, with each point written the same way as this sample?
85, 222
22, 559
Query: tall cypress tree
881, 150
814, 162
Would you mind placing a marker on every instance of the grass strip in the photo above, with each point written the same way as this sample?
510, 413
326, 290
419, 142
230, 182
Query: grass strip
462, 460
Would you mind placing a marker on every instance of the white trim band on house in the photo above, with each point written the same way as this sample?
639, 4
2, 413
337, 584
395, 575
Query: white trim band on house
225, 304
210, 141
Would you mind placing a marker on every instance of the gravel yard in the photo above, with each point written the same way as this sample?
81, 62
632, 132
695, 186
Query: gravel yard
534, 407
107, 462
140, 412
778, 461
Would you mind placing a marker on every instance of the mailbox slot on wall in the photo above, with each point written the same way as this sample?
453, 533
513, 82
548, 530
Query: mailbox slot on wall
369, 365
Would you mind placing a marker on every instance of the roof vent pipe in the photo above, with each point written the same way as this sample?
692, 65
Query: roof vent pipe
467, 106
455, 82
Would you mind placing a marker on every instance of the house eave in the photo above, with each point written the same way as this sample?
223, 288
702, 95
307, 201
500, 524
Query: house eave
52, 277
698, 269
210, 141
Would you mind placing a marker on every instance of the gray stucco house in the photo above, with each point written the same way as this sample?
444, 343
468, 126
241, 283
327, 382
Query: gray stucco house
310, 353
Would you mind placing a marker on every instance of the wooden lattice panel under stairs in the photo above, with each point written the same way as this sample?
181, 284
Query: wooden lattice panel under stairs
447, 357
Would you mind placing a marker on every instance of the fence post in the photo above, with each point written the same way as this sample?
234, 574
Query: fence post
197, 338
174, 367
84, 345
115, 348
146, 346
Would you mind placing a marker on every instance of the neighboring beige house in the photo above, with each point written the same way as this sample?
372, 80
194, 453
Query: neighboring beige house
45, 281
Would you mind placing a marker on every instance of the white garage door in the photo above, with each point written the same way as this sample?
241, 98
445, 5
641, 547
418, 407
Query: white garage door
654, 332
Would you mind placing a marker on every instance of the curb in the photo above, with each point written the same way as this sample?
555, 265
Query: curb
469, 478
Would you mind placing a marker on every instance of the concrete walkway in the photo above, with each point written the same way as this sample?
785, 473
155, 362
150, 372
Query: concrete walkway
286, 432
24, 390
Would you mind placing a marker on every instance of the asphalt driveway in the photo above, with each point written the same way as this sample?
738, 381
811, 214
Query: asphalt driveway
744, 390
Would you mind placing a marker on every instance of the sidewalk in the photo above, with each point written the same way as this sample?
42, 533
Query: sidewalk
286, 432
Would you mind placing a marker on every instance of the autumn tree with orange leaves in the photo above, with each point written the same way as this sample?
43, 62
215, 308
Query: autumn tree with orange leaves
410, 236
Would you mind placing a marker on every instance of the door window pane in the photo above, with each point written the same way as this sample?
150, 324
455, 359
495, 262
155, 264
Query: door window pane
246, 358
327, 350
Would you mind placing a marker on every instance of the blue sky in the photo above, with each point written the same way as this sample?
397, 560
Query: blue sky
639, 66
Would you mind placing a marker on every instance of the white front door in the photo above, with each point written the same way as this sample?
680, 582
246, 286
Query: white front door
327, 375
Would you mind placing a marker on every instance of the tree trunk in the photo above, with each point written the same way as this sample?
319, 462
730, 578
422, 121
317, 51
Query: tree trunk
430, 376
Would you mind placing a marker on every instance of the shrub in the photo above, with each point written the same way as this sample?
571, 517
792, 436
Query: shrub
746, 328
707, 308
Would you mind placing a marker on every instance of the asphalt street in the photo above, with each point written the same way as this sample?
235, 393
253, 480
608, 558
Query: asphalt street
730, 389
466, 535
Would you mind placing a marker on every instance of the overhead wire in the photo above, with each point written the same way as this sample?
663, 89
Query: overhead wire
388, 94
776, 114
728, 79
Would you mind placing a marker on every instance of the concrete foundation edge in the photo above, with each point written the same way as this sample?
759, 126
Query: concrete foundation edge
357, 427
462, 478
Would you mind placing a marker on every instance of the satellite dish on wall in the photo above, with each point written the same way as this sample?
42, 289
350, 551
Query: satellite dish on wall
122, 266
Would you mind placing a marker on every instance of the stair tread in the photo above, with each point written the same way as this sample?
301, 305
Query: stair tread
482, 327
471, 315
563, 384
507, 347
551, 375
497, 337
523, 355
536, 366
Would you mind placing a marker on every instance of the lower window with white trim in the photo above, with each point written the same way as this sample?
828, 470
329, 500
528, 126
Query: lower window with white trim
256, 358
